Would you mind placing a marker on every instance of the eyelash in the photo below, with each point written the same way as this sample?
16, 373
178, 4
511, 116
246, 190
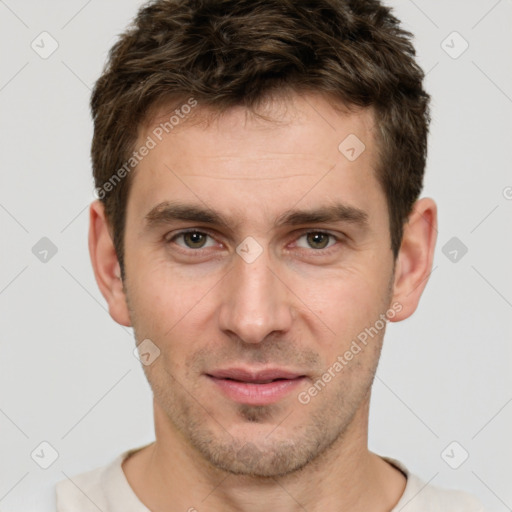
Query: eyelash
325, 251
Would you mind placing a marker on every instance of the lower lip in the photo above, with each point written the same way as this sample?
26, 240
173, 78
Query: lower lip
257, 394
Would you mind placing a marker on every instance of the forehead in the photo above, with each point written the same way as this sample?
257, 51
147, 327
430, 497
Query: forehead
295, 119
305, 149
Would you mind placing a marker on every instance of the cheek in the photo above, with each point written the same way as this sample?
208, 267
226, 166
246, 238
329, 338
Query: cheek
344, 296
169, 308
159, 288
344, 306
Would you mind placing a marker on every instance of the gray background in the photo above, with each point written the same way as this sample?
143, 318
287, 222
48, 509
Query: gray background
67, 372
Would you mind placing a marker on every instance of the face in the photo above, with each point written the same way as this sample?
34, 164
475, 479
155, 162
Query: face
256, 252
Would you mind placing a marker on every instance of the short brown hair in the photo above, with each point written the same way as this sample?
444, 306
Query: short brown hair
227, 53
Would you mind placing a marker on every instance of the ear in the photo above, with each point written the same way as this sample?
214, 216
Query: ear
415, 257
106, 265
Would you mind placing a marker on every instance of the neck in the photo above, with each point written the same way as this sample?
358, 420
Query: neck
171, 475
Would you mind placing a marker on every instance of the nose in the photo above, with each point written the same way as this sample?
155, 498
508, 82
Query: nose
255, 302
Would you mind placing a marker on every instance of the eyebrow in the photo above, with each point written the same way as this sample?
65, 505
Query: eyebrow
167, 212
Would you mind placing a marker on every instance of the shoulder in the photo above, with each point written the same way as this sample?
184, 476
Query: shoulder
421, 496
431, 498
104, 488
81, 493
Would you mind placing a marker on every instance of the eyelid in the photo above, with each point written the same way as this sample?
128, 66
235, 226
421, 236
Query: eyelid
297, 235
337, 237
182, 232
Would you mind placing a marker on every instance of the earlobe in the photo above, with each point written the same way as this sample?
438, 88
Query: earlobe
415, 258
106, 265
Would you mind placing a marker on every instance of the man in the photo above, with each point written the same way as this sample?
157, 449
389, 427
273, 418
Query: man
258, 165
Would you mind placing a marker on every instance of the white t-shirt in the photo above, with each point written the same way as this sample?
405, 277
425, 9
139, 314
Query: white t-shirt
107, 489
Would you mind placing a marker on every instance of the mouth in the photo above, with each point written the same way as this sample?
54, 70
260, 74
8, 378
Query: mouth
262, 387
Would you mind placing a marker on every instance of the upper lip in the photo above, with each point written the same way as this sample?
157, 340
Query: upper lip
255, 376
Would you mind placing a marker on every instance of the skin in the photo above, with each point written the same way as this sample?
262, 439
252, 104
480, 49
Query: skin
298, 305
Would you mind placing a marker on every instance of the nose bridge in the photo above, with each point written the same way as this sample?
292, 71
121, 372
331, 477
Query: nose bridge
254, 302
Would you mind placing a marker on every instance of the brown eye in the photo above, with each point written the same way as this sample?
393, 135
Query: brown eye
318, 239
194, 239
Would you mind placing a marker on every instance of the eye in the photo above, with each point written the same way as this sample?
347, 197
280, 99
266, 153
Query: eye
317, 240
192, 239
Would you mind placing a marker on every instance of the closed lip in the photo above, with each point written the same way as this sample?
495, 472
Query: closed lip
255, 376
